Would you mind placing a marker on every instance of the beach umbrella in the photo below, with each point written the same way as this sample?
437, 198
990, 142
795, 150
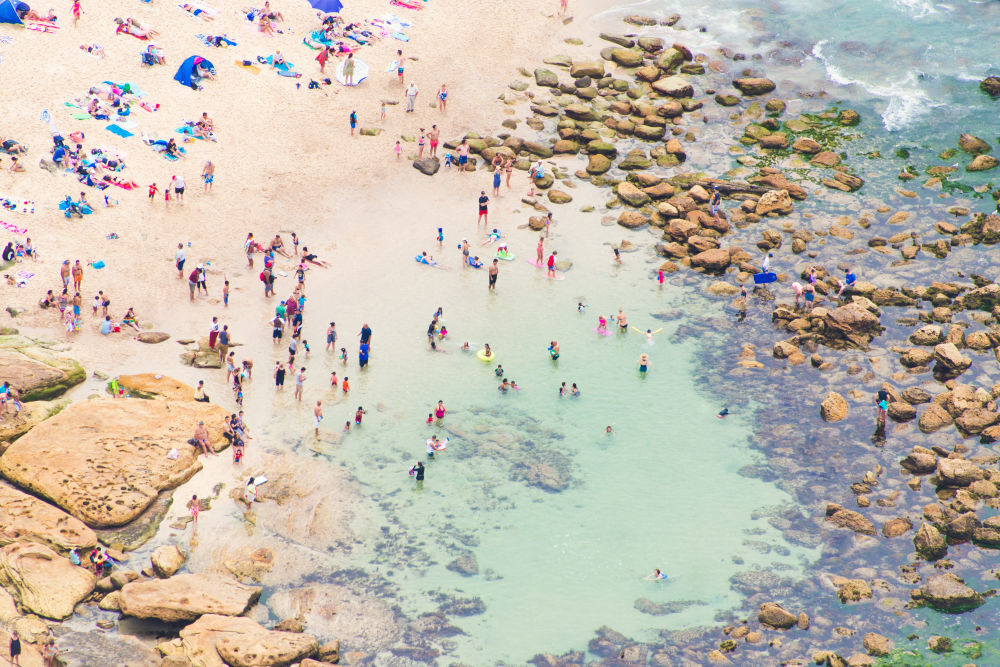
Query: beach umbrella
327, 6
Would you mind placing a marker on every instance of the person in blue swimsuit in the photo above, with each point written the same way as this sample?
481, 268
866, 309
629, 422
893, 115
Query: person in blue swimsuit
354, 121
442, 98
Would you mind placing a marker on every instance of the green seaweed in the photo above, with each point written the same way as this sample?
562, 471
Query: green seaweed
902, 153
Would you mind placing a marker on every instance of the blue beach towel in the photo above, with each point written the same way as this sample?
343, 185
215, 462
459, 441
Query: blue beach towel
120, 131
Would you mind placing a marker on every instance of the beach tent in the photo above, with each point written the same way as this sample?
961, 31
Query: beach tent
8, 13
327, 6
187, 73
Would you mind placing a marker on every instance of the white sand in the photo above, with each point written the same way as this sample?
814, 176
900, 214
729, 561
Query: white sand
284, 159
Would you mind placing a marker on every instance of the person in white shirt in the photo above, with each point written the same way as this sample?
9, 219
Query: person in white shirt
179, 259
411, 96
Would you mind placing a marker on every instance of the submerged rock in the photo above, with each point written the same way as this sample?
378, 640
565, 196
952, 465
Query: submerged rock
776, 616
754, 85
946, 592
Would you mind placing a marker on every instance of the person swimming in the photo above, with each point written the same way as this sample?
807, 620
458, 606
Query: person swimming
499, 370
609, 430
723, 413
574, 391
656, 575
475, 263
580, 305
504, 386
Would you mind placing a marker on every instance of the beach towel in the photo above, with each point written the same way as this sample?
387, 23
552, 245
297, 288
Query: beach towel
120, 131
42, 26
23, 277
13, 229
81, 116
283, 67
398, 3
199, 10
401, 37
253, 69
216, 40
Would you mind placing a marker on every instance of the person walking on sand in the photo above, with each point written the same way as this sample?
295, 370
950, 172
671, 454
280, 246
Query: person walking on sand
353, 119
318, 415
494, 272
77, 10
322, 57
443, 98
496, 181
77, 275
208, 175
484, 212
178, 184
411, 96
399, 66
349, 70
179, 259
434, 136
420, 143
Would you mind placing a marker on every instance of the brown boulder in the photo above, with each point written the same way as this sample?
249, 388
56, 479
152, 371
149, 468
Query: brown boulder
42, 581
715, 260
776, 616
754, 85
778, 201
185, 597
833, 408
150, 385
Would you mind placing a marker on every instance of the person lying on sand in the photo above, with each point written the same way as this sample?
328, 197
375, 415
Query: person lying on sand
12, 147
131, 27
197, 11
313, 259
93, 49
32, 15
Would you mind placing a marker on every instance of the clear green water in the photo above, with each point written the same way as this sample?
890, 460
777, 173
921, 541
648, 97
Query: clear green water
664, 491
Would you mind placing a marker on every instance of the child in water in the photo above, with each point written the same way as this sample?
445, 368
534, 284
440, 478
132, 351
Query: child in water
359, 414
343, 356
602, 324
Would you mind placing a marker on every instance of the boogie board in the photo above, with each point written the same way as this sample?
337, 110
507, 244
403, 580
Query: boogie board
764, 278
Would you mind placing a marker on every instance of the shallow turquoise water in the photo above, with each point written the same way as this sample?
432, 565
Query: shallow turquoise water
664, 491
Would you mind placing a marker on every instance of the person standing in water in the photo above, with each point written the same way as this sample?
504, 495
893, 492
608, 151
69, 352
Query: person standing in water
881, 404
418, 472
554, 350
484, 212
552, 265
643, 363
494, 272
540, 250
318, 415
622, 321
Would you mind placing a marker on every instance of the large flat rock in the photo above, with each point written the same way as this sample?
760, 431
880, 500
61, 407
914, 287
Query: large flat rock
42, 581
26, 518
37, 371
185, 597
104, 461
154, 385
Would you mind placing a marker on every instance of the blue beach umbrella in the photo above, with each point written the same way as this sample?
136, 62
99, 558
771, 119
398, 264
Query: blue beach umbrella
327, 6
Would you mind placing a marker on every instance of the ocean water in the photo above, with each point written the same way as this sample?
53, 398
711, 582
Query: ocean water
665, 491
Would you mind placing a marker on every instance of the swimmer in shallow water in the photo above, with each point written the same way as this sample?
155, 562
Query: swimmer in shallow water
643, 363
499, 370
723, 413
609, 430
504, 386
575, 392
554, 350
649, 333
580, 305
656, 575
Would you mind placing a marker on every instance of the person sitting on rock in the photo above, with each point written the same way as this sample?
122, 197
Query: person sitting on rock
201, 439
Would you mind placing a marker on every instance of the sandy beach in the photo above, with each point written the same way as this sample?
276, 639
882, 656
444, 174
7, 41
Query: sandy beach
284, 158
